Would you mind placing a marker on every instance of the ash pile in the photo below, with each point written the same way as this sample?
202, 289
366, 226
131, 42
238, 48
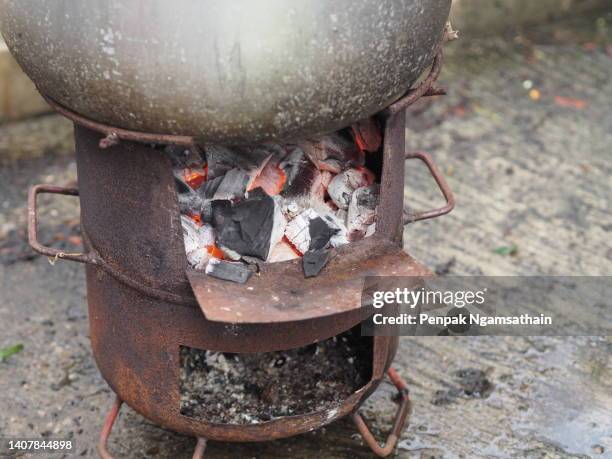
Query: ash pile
242, 206
226, 388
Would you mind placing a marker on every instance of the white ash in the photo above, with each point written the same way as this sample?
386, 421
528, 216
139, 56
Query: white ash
229, 253
280, 225
336, 221
283, 251
298, 230
343, 185
362, 211
197, 241
255, 388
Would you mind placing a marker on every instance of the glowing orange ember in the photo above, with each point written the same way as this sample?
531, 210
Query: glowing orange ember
195, 177
368, 175
293, 247
215, 252
197, 218
367, 135
271, 179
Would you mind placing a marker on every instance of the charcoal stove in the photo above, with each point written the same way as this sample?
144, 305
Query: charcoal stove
145, 303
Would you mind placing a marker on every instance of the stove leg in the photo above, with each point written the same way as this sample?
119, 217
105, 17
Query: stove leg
109, 422
111, 417
198, 452
400, 419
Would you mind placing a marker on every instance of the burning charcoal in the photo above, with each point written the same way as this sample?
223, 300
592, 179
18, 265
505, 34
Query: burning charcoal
232, 186
250, 227
283, 251
292, 209
298, 230
343, 185
314, 229
362, 211
196, 217
269, 177
198, 241
336, 222
194, 176
333, 153
367, 135
326, 178
314, 261
198, 202
185, 183
190, 203
229, 271
230, 254
320, 233
181, 186
221, 159
303, 177
205, 194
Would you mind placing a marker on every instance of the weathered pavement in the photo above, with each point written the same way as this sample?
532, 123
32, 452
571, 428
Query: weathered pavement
529, 174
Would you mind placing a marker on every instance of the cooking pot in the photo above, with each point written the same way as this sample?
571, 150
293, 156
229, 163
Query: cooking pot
224, 71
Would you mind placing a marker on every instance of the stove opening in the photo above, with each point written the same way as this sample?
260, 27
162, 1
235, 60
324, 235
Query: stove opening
246, 205
225, 388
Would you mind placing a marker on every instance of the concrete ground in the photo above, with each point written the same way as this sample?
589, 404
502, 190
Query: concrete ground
525, 139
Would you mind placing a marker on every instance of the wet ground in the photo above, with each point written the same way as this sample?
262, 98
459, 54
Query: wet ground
525, 139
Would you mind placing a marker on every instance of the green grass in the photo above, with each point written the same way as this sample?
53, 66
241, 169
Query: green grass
9, 351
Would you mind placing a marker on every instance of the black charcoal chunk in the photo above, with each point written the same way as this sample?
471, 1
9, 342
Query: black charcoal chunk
190, 203
209, 187
333, 152
221, 159
247, 226
320, 233
314, 261
229, 271
302, 176
206, 213
233, 185
182, 187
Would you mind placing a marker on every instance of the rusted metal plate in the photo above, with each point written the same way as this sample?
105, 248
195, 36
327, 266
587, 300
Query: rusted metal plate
130, 213
280, 293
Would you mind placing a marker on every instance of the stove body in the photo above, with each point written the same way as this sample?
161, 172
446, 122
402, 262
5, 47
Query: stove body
142, 305
145, 302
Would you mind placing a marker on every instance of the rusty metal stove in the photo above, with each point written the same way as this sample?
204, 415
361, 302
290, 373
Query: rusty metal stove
144, 301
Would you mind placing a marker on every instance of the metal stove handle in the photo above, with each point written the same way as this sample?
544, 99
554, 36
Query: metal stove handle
50, 252
444, 188
400, 419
